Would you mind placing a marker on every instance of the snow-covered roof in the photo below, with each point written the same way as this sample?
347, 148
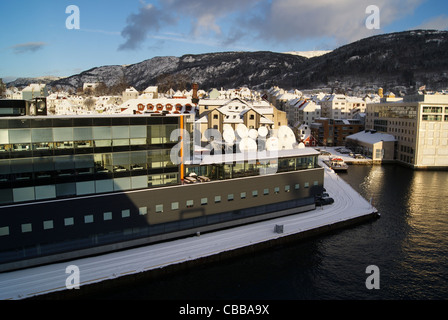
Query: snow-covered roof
173, 106
371, 137
151, 89
34, 87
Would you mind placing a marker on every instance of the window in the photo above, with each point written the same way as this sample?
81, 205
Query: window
68, 222
255, 193
378, 153
190, 203
48, 224
276, 190
26, 227
174, 205
204, 201
125, 213
287, 188
432, 109
296, 186
316, 183
142, 211
307, 184
426, 117
217, 199
88, 218
4, 231
230, 197
243, 195
159, 208
266, 191
107, 216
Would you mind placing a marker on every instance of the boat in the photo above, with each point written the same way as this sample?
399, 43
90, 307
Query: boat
337, 164
74, 186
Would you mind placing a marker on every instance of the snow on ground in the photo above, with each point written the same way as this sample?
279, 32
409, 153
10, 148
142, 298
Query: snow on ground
36, 281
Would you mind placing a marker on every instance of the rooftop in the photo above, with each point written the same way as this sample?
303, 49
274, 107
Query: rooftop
371, 136
255, 155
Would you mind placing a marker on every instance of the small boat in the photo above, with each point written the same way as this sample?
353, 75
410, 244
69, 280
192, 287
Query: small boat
337, 164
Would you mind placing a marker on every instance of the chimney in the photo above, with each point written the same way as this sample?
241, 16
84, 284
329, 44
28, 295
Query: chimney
195, 98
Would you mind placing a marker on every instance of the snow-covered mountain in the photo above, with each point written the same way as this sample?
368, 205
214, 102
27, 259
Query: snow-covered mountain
212, 70
23, 82
406, 59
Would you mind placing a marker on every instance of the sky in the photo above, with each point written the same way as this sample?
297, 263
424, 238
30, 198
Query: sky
49, 38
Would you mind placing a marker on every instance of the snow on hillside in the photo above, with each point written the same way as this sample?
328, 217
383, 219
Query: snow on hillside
309, 54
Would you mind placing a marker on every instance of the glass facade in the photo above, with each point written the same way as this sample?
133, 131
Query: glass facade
253, 168
405, 112
434, 113
53, 157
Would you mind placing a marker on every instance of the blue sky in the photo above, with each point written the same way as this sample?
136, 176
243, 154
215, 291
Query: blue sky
35, 40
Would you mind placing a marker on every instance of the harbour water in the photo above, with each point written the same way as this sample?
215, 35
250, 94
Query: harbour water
408, 244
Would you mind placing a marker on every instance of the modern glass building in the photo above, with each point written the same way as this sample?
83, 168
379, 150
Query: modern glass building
57, 157
75, 186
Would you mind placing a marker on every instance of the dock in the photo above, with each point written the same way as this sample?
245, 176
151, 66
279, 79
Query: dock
349, 208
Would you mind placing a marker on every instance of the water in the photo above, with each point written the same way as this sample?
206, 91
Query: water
409, 245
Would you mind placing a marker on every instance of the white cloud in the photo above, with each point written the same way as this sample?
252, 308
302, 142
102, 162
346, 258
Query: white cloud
343, 20
275, 21
203, 15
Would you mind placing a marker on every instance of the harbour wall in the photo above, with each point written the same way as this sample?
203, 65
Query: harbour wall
97, 288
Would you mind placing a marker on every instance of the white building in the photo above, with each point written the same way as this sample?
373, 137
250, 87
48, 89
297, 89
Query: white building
35, 90
130, 93
420, 125
378, 146
339, 106
151, 92
302, 111
13, 94
90, 86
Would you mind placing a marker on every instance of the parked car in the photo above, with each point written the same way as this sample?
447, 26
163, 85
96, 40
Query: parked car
324, 201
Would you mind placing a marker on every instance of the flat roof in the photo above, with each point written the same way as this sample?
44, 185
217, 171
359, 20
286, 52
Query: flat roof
371, 137
254, 155
112, 115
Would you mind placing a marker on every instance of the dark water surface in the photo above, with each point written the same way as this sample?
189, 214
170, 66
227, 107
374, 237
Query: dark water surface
409, 245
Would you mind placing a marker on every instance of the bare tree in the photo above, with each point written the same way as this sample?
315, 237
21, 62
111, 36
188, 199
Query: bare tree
89, 103
101, 89
168, 81
2, 87
119, 87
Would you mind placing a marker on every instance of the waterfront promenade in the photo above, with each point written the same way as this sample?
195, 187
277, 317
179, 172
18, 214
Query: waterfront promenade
349, 207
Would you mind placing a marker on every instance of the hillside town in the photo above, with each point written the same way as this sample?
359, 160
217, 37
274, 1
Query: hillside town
370, 125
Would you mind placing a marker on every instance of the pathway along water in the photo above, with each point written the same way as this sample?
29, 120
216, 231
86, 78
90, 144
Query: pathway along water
409, 245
